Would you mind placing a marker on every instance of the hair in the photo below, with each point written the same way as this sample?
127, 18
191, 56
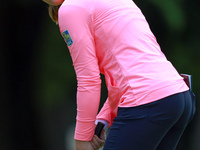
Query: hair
53, 12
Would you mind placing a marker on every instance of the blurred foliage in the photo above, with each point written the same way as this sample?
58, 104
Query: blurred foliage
172, 12
57, 78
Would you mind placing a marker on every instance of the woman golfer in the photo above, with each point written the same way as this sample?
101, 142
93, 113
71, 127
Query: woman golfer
148, 105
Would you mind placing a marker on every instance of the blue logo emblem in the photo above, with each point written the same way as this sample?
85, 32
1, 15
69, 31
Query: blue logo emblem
67, 38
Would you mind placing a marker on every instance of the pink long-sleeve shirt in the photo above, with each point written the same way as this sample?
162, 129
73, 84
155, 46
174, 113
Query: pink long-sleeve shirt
112, 37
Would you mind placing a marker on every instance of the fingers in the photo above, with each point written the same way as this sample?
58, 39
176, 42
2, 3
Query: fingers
103, 135
97, 142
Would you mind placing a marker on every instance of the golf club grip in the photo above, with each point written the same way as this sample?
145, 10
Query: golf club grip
99, 128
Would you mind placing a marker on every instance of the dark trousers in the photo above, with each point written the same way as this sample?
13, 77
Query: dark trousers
154, 126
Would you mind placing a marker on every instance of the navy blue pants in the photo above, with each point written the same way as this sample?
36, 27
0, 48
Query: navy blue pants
154, 126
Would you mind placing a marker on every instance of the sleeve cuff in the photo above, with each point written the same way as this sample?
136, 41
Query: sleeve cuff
84, 131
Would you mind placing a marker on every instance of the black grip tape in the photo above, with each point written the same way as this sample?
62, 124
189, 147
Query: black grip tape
99, 128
